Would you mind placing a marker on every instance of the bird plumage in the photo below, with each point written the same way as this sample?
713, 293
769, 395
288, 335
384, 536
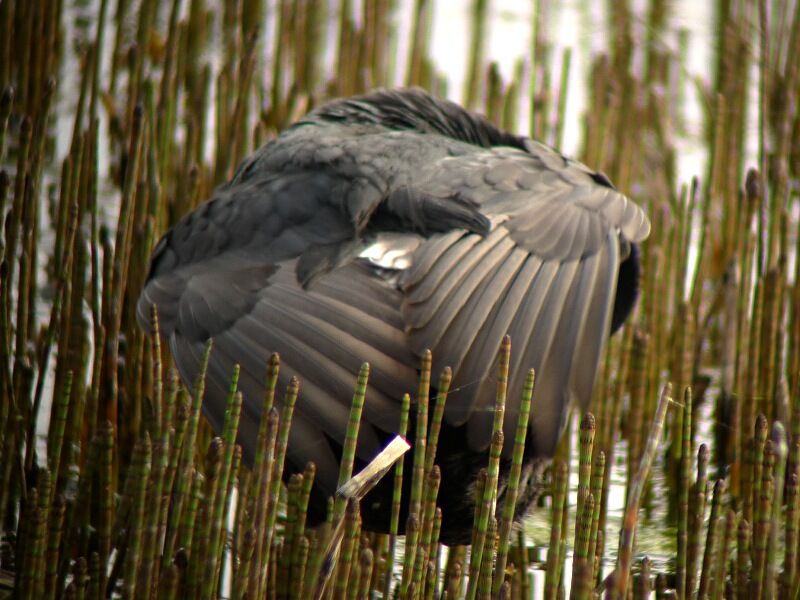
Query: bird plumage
298, 254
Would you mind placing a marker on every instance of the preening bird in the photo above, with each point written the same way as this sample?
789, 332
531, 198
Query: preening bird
377, 227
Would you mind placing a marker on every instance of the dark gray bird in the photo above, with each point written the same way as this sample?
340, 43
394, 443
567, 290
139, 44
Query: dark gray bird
375, 228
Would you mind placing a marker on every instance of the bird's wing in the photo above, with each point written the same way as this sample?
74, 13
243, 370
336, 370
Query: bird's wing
318, 196
510, 243
323, 334
206, 271
267, 266
546, 274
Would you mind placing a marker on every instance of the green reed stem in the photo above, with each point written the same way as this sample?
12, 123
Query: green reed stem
139, 474
351, 435
554, 565
512, 486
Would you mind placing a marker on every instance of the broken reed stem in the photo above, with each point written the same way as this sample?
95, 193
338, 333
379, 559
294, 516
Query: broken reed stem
625, 556
685, 467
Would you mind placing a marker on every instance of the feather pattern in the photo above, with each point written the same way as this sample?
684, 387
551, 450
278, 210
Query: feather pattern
493, 233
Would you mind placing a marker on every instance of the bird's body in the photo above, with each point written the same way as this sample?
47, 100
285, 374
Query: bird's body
376, 228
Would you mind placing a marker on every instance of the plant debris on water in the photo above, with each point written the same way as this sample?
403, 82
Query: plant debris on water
116, 118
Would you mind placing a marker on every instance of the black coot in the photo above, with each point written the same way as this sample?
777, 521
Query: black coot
375, 228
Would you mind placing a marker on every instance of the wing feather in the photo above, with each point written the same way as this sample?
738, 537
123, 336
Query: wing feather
590, 345
522, 269
447, 269
467, 324
464, 277
556, 364
426, 255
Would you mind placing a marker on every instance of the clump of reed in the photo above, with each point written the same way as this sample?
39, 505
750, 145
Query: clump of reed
125, 490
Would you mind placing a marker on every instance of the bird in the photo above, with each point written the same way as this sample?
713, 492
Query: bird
376, 228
